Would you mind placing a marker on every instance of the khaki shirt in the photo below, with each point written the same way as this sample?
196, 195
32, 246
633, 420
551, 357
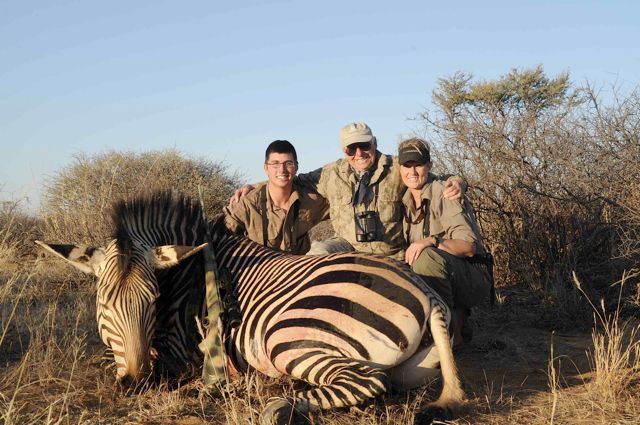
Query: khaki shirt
284, 231
447, 219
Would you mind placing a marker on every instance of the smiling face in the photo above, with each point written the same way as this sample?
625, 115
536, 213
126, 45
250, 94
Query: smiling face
281, 168
361, 155
414, 174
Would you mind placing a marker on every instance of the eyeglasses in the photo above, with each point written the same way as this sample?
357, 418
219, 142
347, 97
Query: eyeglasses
351, 149
276, 165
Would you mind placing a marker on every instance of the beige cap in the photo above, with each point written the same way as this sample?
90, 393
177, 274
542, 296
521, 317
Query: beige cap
356, 132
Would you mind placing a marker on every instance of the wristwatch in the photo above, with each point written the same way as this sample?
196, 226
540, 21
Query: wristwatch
437, 240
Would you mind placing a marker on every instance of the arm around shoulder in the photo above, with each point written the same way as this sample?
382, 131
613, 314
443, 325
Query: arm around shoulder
317, 180
455, 187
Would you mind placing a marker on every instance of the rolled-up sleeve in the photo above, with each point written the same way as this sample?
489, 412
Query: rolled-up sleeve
455, 220
235, 217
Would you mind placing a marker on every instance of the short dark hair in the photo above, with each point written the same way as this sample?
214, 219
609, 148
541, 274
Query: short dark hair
280, 146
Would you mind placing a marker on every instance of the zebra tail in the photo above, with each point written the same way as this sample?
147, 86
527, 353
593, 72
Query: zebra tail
452, 395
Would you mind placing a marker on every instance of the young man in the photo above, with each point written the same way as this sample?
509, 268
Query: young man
280, 213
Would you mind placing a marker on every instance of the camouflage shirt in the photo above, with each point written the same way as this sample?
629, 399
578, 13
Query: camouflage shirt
338, 181
287, 230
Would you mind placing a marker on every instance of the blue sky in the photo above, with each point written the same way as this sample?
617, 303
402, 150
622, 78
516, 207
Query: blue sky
221, 80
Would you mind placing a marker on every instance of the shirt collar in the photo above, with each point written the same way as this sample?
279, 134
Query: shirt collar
293, 198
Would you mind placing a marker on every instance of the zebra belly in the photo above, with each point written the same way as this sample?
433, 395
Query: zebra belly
376, 340
369, 310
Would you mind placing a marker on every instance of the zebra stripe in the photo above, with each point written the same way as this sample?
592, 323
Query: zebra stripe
140, 308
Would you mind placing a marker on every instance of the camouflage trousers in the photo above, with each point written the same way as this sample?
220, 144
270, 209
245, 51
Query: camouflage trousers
460, 282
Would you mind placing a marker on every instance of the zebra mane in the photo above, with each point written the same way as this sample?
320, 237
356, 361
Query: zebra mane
218, 229
158, 218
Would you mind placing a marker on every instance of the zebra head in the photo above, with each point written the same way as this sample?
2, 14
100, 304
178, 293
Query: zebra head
150, 233
127, 290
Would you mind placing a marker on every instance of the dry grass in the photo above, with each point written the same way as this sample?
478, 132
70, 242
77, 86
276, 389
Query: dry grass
17, 229
515, 369
608, 392
514, 372
43, 344
612, 390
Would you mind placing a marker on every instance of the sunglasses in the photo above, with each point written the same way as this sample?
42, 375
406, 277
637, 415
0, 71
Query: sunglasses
351, 149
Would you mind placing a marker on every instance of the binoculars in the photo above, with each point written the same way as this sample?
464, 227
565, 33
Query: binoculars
366, 226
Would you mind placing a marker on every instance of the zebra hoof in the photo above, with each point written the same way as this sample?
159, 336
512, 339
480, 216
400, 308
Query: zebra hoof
431, 414
281, 412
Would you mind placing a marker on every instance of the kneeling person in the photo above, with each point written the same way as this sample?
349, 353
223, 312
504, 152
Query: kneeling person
445, 246
280, 213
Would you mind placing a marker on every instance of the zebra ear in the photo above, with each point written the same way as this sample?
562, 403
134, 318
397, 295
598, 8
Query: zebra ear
86, 259
170, 255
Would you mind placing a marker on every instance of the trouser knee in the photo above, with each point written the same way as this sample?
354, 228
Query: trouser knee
432, 267
430, 263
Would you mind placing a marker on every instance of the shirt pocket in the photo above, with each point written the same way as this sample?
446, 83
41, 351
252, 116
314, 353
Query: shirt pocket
390, 210
303, 222
341, 207
341, 212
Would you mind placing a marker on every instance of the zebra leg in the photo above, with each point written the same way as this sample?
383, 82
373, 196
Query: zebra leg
341, 381
452, 395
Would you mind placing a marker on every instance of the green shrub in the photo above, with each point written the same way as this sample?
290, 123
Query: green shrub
553, 173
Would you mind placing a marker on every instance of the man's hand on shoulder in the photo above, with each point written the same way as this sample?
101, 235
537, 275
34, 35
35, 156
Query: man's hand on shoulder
239, 193
454, 189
